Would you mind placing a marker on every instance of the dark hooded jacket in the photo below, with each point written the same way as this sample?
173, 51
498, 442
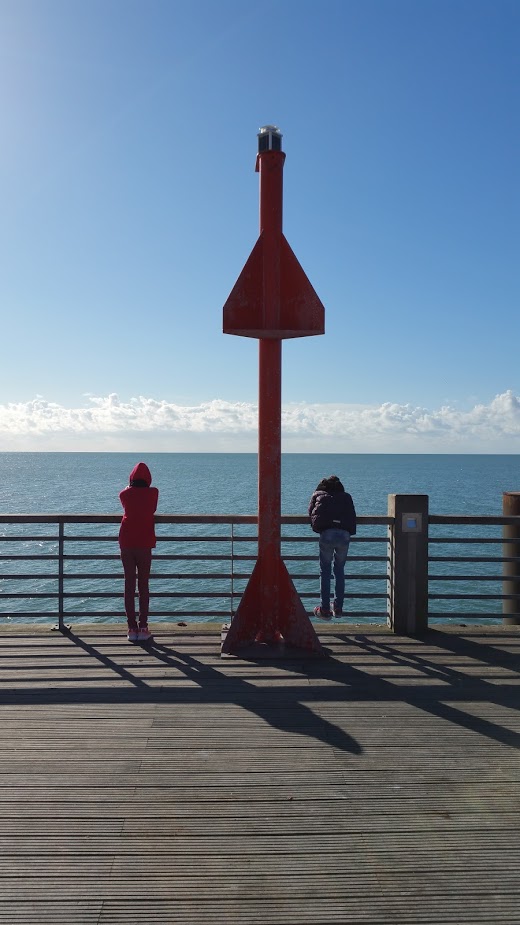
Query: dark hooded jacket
139, 504
332, 506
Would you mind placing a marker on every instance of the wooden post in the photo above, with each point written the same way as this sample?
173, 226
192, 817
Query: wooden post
408, 568
511, 550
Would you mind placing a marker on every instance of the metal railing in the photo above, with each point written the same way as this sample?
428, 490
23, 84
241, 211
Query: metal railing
466, 563
65, 567
200, 568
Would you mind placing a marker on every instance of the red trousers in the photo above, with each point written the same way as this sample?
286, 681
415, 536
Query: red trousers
137, 563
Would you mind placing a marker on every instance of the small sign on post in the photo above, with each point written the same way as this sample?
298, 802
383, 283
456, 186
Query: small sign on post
411, 523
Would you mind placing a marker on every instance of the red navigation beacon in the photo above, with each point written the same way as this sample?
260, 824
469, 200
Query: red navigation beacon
272, 299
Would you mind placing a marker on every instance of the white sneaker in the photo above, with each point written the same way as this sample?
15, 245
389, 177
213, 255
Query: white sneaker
132, 635
144, 634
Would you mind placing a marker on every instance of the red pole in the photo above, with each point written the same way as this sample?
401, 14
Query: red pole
270, 166
272, 299
269, 481
269, 448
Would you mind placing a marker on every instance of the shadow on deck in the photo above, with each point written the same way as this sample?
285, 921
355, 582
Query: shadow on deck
165, 784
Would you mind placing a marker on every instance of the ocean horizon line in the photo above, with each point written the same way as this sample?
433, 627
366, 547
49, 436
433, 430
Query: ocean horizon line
241, 453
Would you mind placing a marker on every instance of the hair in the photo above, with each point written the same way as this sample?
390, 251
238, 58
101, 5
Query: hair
138, 483
332, 484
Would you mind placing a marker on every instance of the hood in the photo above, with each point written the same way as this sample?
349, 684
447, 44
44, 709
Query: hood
141, 471
331, 485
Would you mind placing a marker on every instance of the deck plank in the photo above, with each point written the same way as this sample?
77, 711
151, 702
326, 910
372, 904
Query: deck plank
170, 786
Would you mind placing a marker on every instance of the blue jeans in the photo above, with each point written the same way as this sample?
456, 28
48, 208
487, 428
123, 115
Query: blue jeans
334, 545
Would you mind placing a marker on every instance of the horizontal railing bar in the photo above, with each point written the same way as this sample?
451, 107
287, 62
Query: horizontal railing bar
174, 615
479, 520
213, 557
223, 557
167, 594
348, 577
97, 538
162, 576
116, 519
53, 558
19, 614
119, 614
222, 538
35, 594
473, 597
470, 539
194, 576
474, 559
180, 538
468, 615
363, 519
374, 520
465, 577
313, 538
351, 558
189, 576
74, 595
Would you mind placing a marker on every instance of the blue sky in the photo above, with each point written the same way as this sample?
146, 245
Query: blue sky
130, 204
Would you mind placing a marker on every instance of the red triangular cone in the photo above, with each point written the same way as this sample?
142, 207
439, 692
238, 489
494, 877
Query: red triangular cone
265, 612
301, 312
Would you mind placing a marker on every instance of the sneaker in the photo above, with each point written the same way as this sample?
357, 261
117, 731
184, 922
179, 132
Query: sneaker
132, 634
144, 634
337, 611
323, 614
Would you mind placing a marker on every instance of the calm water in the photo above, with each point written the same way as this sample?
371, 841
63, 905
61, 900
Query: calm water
221, 483
89, 483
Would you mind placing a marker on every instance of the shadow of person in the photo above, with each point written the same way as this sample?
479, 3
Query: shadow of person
282, 709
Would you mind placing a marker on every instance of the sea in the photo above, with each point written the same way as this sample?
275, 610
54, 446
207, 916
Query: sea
226, 483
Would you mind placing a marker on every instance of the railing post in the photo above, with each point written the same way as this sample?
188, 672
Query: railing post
408, 570
61, 571
511, 550
232, 600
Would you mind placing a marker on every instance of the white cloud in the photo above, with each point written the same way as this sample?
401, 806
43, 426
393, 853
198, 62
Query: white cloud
107, 423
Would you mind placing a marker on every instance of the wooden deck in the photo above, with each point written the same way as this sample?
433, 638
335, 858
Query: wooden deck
171, 786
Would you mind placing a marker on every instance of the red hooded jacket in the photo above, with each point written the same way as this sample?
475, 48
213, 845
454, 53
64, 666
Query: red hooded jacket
139, 504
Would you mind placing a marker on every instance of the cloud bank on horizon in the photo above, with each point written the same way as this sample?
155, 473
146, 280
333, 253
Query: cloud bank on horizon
110, 424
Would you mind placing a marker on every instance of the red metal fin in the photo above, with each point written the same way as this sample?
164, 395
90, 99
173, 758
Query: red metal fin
244, 309
248, 620
301, 311
293, 620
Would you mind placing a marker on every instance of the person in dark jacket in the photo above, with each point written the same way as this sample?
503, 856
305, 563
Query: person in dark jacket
333, 516
136, 540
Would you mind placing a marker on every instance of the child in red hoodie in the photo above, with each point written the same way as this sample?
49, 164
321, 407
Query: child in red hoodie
137, 539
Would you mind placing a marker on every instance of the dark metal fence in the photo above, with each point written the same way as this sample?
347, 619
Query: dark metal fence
64, 568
